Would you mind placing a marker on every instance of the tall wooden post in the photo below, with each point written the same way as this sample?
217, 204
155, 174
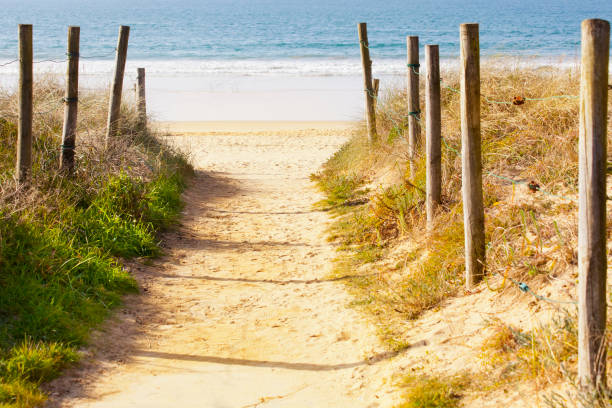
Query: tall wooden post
471, 161
24, 129
71, 99
117, 86
433, 132
141, 99
592, 261
366, 62
414, 111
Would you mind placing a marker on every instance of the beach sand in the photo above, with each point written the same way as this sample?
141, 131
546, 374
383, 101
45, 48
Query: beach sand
231, 127
238, 312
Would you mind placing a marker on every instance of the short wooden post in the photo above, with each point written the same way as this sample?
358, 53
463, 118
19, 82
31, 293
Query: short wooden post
473, 209
367, 82
117, 86
24, 129
375, 88
592, 262
433, 132
71, 99
414, 111
141, 99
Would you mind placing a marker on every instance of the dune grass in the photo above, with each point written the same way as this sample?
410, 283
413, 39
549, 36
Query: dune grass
62, 237
531, 236
423, 391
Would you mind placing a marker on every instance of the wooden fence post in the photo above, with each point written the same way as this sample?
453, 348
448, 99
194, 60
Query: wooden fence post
473, 209
366, 62
71, 100
117, 86
375, 88
414, 111
24, 130
592, 253
433, 132
141, 99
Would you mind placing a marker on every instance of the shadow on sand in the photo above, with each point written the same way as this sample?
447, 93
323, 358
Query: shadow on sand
120, 339
276, 364
267, 281
115, 341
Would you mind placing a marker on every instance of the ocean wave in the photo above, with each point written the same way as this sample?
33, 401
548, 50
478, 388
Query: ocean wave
288, 67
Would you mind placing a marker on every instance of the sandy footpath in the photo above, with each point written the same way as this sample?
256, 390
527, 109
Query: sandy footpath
237, 313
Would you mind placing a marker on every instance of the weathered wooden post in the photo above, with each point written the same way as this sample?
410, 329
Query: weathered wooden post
376, 86
592, 261
24, 129
71, 99
141, 99
433, 132
367, 81
117, 86
414, 111
471, 161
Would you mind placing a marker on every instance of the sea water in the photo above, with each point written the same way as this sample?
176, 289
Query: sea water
224, 47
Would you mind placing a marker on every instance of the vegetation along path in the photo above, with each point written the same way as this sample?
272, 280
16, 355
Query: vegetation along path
239, 313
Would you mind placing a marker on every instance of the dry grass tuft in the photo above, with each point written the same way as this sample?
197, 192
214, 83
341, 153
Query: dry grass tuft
424, 391
531, 236
136, 152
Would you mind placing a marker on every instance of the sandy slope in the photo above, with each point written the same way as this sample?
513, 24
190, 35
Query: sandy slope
238, 314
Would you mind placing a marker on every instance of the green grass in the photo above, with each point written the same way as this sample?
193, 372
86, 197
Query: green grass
364, 232
30, 363
124, 217
62, 244
436, 275
60, 276
432, 392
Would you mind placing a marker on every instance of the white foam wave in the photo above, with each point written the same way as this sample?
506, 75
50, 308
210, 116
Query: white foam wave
287, 67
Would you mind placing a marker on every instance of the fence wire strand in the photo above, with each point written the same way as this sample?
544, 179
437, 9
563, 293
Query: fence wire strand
510, 180
492, 101
523, 287
61, 59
